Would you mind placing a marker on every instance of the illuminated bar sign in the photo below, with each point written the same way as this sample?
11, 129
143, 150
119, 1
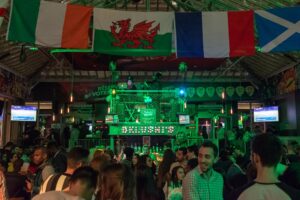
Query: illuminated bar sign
139, 129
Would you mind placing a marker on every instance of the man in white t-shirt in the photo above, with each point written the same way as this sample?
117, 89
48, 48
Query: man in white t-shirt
266, 153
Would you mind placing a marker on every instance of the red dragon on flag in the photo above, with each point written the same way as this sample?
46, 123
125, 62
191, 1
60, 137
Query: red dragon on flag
141, 36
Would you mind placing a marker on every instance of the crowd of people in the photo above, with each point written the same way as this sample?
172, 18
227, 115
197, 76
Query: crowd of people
261, 168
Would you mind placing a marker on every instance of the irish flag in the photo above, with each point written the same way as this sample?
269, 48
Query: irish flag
3, 10
49, 24
215, 34
132, 33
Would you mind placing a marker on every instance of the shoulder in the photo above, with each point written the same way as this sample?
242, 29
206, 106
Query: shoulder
237, 192
290, 191
191, 175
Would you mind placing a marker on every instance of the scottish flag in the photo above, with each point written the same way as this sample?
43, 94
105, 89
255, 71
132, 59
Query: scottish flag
278, 29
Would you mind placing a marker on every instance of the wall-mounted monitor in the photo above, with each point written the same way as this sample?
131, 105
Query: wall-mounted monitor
266, 114
23, 113
111, 119
184, 119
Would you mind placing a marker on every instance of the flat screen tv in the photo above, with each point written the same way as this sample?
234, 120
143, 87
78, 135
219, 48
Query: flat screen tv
111, 119
266, 114
23, 113
184, 119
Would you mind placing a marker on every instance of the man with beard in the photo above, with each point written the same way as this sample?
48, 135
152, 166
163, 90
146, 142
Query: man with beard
203, 182
266, 153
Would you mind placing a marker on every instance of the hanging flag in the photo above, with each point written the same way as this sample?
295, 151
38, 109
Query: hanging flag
3, 10
132, 33
214, 34
49, 24
278, 29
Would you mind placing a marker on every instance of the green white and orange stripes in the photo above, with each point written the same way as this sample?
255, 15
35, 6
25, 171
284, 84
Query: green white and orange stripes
3, 10
49, 24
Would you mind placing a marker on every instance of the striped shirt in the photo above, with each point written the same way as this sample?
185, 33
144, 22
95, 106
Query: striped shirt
57, 182
196, 186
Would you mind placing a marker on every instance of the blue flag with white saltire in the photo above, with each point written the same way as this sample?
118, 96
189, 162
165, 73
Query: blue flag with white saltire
278, 29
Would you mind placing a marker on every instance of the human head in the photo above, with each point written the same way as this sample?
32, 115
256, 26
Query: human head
292, 146
267, 150
145, 160
208, 153
52, 148
177, 174
109, 153
191, 164
39, 155
117, 182
135, 159
77, 157
128, 151
181, 154
192, 152
98, 153
99, 163
83, 182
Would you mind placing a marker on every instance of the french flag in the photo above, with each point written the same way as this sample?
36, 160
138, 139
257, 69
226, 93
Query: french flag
215, 34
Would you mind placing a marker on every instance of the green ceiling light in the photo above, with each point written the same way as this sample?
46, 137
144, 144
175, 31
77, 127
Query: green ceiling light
71, 51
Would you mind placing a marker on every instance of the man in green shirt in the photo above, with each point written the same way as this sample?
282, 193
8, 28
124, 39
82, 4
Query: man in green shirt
203, 182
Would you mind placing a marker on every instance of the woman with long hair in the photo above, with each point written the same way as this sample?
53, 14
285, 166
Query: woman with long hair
117, 183
164, 167
175, 184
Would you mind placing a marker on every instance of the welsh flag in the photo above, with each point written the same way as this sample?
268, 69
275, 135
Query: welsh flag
132, 33
49, 24
3, 10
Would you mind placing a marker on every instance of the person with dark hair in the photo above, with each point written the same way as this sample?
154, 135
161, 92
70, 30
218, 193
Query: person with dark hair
117, 183
83, 183
180, 158
145, 184
128, 151
44, 170
76, 158
266, 153
135, 160
204, 182
292, 156
15, 182
57, 157
291, 174
174, 190
164, 167
192, 152
191, 164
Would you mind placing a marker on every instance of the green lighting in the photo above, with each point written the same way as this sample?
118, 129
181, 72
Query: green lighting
33, 49
147, 99
71, 51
